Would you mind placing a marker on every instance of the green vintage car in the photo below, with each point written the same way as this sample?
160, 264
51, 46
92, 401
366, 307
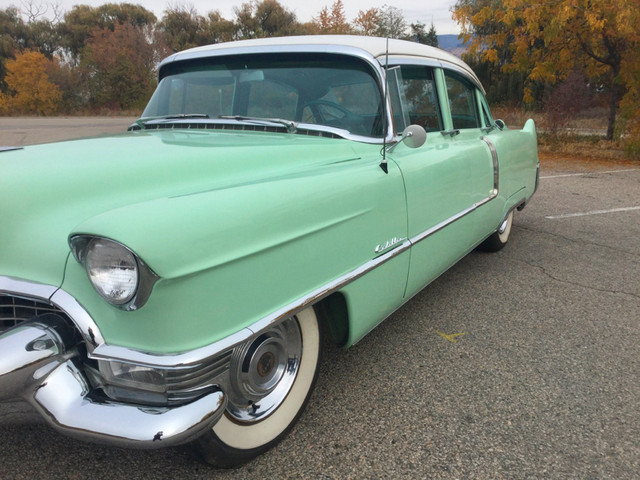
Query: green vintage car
173, 284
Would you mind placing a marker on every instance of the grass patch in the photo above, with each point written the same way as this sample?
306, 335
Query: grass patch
584, 146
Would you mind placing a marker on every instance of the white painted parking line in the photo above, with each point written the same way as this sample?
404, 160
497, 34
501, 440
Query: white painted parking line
592, 212
589, 173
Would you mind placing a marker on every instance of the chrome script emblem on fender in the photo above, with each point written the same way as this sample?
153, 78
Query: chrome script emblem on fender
383, 247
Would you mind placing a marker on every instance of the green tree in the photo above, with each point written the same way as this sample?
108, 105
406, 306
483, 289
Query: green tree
274, 19
246, 22
432, 36
12, 39
81, 21
420, 35
217, 29
180, 27
71, 84
266, 18
44, 36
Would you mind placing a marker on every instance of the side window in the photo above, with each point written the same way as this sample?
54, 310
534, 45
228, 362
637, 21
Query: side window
462, 102
398, 102
418, 92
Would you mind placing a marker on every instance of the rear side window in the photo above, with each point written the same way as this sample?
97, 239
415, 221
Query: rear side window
462, 102
419, 97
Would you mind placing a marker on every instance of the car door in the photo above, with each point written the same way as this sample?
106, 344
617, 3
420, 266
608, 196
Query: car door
450, 176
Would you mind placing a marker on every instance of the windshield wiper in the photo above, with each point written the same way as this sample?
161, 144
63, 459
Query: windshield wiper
291, 126
142, 122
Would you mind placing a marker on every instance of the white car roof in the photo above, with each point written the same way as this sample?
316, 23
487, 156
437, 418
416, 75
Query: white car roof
374, 46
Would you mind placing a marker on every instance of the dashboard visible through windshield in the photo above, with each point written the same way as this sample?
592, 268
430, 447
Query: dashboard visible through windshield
311, 89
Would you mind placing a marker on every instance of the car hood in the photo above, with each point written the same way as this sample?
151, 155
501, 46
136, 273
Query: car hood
50, 191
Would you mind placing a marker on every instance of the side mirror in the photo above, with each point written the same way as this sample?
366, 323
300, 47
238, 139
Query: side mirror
414, 136
500, 124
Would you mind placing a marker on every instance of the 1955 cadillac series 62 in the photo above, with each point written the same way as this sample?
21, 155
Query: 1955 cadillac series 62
172, 284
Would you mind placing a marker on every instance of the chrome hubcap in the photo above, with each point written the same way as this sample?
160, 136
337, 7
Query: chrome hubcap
263, 370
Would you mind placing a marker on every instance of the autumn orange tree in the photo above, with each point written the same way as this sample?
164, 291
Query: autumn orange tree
30, 90
550, 39
630, 104
333, 20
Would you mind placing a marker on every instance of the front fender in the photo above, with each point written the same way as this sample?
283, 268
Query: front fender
230, 257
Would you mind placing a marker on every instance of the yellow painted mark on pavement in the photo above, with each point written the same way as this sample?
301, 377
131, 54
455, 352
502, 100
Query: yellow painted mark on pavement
451, 337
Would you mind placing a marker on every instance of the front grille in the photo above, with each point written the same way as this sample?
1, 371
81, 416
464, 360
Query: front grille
15, 310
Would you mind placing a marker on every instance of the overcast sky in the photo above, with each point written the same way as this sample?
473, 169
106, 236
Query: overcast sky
424, 11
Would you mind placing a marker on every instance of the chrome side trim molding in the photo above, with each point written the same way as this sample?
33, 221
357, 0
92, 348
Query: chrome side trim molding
398, 249
427, 233
496, 164
475, 206
332, 287
98, 349
189, 359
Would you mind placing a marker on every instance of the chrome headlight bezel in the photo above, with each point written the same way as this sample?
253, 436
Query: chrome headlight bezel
146, 278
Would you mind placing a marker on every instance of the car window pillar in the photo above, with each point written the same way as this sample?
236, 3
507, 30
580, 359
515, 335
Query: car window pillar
443, 98
485, 111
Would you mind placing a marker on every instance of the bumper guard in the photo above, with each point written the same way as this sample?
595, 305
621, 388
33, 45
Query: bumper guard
36, 364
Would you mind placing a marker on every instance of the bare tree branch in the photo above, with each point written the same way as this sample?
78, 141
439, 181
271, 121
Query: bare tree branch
33, 10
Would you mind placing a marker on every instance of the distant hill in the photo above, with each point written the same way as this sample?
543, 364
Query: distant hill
451, 44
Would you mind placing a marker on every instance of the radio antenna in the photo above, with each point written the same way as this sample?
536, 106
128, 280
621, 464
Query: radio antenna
385, 121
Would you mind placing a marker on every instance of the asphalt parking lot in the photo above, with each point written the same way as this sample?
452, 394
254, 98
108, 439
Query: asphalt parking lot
519, 364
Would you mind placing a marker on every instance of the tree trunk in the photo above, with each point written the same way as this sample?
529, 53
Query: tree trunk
614, 97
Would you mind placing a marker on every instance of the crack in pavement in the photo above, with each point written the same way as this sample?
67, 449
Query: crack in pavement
578, 241
576, 284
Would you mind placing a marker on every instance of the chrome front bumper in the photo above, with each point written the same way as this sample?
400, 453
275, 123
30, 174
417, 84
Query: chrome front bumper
37, 364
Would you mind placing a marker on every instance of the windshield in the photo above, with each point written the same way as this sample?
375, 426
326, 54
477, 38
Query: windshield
330, 90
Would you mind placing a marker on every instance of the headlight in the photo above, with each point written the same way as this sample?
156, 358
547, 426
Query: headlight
118, 275
113, 270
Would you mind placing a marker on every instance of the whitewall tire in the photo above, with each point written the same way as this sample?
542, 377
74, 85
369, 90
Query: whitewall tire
271, 380
498, 239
